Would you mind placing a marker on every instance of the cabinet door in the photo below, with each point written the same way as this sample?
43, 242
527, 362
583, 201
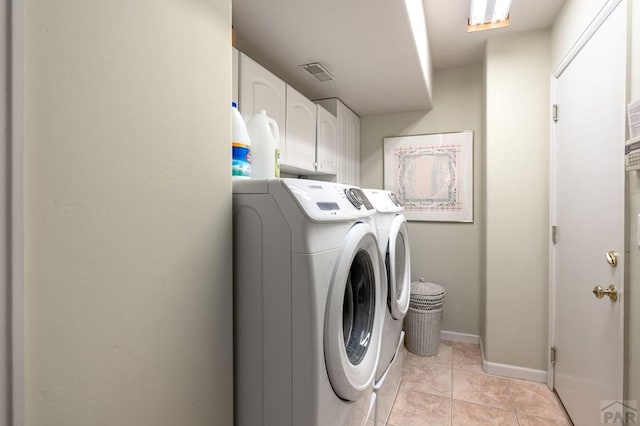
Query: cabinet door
299, 153
344, 154
235, 74
348, 144
354, 140
262, 90
327, 142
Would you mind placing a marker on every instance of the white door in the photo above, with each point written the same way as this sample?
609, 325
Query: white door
589, 191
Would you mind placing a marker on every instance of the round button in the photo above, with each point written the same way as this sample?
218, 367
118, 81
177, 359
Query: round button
394, 199
354, 198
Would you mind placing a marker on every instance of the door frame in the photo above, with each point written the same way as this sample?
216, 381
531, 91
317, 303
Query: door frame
566, 60
12, 182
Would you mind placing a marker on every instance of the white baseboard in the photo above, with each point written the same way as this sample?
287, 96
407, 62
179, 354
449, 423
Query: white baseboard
497, 369
453, 336
512, 371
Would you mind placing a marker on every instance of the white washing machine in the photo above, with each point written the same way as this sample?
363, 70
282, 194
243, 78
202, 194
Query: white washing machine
393, 239
308, 304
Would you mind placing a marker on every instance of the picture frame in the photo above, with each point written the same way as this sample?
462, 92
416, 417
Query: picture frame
432, 175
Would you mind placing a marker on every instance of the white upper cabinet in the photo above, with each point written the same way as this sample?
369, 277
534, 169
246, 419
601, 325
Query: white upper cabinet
311, 137
299, 152
344, 146
327, 142
262, 90
348, 148
235, 65
354, 141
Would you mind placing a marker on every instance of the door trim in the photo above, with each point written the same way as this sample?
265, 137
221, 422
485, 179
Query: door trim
15, 150
552, 248
586, 35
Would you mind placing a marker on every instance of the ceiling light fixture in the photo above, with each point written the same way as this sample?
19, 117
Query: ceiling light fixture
415, 13
488, 14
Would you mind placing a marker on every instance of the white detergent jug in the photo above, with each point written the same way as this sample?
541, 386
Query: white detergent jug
265, 146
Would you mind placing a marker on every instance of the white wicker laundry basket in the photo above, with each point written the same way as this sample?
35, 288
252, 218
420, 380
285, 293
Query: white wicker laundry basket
422, 323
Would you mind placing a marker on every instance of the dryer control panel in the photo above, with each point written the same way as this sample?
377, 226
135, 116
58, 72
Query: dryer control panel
384, 201
323, 201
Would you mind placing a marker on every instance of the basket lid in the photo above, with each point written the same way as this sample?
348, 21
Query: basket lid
424, 288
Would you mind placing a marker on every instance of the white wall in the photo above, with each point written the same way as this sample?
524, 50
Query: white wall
446, 253
517, 199
128, 213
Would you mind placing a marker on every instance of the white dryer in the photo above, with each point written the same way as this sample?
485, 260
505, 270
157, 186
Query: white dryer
393, 239
308, 306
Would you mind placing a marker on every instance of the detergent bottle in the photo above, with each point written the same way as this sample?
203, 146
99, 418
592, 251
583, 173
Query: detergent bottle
240, 146
265, 151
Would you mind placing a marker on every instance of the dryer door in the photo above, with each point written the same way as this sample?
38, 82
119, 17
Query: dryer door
398, 262
353, 316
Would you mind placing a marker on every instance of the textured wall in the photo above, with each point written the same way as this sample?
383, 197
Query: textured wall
128, 213
517, 199
446, 253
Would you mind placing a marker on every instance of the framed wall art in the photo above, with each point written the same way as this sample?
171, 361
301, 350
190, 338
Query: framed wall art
432, 175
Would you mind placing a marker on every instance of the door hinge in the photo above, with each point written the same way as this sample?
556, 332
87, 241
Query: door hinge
554, 234
552, 354
555, 113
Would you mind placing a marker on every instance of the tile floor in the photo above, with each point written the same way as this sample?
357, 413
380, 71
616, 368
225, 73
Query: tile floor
450, 388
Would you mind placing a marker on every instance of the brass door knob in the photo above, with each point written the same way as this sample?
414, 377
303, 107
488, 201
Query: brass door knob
602, 292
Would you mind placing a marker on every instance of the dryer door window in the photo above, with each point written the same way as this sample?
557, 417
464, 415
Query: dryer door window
353, 315
398, 262
358, 307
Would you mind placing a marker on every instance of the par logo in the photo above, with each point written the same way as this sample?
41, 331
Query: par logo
619, 412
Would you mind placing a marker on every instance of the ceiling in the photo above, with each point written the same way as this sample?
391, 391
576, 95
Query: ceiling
368, 45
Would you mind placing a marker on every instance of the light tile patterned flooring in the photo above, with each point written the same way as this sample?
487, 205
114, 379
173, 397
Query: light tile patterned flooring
450, 388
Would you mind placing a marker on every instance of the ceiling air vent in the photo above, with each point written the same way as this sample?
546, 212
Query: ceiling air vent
318, 71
